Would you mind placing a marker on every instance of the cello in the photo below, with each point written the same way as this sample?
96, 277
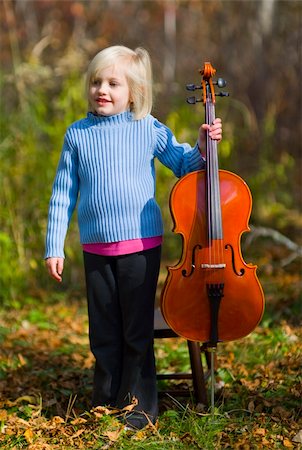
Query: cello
211, 295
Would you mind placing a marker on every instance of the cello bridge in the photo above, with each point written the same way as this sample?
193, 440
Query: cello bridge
213, 266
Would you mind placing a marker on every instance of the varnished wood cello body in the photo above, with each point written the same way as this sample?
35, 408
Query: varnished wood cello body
211, 295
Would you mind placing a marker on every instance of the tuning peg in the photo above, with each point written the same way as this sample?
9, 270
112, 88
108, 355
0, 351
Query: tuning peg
193, 100
192, 87
220, 82
222, 94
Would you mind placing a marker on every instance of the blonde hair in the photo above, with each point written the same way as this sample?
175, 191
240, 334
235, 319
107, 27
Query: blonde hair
138, 72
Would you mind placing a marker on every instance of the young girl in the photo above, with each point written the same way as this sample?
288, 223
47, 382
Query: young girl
107, 165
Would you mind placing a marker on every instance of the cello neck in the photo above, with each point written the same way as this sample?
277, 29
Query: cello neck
212, 176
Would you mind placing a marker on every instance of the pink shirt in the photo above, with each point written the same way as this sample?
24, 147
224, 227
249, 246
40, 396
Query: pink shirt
122, 247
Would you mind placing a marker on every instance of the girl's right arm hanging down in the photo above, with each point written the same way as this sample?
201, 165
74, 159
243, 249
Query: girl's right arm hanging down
62, 204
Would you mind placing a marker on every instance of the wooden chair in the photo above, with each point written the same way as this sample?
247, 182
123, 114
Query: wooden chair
196, 351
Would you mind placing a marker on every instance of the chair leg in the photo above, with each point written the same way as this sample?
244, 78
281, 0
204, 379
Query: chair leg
197, 373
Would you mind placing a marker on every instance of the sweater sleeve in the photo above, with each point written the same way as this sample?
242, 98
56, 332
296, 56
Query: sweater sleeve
180, 158
63, 200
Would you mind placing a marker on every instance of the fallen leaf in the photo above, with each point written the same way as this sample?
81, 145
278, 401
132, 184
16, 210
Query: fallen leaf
287, 443
21, 421
78, 433
57, 420
279, 411
112, 435
29, 435
22, 359
100, 411
251, 406
3, 415
260, 431
298, 437
78, 421
132, 405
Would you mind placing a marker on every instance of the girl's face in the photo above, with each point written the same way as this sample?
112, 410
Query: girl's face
109, 92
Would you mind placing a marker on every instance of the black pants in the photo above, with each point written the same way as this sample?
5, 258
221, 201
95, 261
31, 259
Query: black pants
121, 293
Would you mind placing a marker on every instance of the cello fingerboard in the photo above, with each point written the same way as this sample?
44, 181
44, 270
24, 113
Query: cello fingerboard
215, 230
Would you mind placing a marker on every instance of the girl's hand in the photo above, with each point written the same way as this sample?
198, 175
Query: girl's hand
215, 132
55, 267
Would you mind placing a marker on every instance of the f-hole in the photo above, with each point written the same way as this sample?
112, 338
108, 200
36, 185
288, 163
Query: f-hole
184, 271
241, 271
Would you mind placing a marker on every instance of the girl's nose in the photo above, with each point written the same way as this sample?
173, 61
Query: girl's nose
102, 88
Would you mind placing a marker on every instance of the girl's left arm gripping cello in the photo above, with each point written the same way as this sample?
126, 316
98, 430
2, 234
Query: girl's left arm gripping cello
211, 295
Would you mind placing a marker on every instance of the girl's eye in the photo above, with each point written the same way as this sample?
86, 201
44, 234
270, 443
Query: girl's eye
113, 83
96, 82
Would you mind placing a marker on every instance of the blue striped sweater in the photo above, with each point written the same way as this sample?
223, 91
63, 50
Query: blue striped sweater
108, 162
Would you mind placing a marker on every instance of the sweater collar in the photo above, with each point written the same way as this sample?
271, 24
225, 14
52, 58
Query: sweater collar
116, 119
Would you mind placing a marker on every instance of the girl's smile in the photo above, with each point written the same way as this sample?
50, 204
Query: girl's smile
109, 92
102, 100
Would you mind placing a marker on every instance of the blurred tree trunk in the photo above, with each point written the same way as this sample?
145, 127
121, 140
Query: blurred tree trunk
170, 43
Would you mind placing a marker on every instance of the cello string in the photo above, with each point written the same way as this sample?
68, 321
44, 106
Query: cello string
209, 193
212, 182
212, 198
